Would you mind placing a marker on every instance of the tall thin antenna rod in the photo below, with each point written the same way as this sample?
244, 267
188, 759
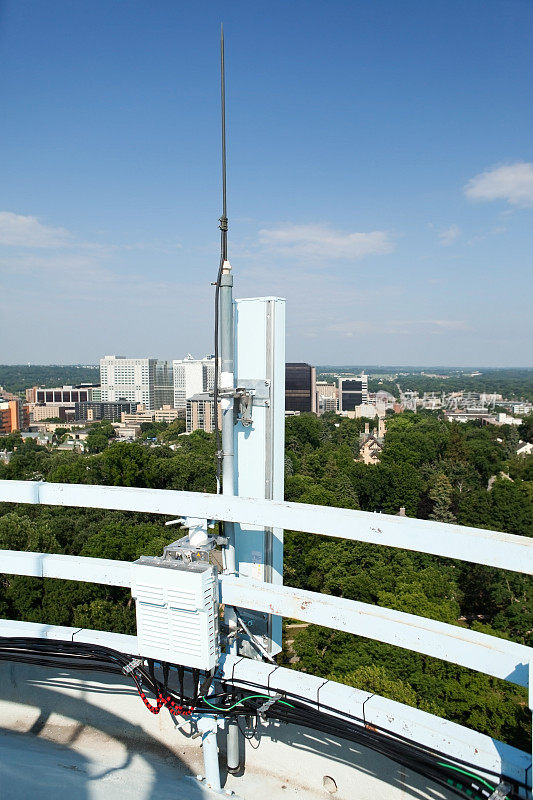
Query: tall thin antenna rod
224, 217
224, 339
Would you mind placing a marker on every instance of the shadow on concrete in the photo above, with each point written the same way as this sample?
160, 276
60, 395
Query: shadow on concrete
117, 758
338, 751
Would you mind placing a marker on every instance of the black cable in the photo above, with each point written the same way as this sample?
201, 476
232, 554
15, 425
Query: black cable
308, 714
195, 681
250, 737
302, 711
181, 678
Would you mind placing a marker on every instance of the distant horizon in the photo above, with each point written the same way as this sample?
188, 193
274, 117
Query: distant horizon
90, 365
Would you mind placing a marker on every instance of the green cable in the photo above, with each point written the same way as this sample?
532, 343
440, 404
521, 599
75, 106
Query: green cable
250, 697
464, 772
267, 697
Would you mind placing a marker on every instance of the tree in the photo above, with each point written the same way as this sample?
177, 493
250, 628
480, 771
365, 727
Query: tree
105, 615
375, 679
511, 508
441, 494
173, 431
123, 464
511, 440
96, 441
526, 428
11, 442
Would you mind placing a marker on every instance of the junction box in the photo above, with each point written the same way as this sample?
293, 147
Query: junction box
177, 611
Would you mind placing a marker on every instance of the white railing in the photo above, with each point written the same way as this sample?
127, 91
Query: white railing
487, 654
492, 548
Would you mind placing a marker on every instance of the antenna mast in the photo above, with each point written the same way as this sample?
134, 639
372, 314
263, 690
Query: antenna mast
224, 325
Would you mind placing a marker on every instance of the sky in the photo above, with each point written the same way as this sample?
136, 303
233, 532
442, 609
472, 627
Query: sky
380, 177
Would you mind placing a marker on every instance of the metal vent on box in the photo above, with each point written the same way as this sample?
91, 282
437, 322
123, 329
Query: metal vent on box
177, 611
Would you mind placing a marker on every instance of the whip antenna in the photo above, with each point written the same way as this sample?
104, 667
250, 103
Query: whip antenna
224, 217
223, 225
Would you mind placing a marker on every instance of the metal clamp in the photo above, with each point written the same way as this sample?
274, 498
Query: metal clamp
132, 666
250, 393
501, 791
265, 706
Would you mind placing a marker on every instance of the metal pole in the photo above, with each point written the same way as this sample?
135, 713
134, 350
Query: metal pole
225, 288
227, 386
530, 697
227, 381
208, 728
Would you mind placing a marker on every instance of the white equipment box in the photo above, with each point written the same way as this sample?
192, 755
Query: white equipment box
177, 611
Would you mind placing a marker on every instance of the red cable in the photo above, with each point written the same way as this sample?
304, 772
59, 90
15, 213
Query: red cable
174, 708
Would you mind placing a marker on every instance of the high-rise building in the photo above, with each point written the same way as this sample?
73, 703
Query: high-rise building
128, 379
353, 392
164, 384
300, 387
327, 397
199, 414
13, 416
192, 376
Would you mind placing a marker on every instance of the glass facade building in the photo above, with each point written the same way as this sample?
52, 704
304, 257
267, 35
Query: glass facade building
164, 384
300, 387
353, 392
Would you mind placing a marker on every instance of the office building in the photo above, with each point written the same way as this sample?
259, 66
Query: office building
353, 392
192, 376
164, 384
325, 389
40, 411
199, 414
61, 395
326, 404
300, 387
168, 414
327, 395
5, 395
92, 412
128, 380
137, 417
13, 416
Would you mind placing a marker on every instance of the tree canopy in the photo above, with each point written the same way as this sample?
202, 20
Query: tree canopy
431, 468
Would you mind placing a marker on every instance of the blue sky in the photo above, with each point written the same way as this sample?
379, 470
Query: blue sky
380, 160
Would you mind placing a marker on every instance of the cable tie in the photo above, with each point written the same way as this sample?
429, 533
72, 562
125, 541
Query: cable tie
132, 666
265, 706
501, 791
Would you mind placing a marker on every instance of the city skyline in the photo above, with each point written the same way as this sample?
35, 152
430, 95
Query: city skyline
380, 178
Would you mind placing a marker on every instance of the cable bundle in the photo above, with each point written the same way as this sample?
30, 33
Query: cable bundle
234, 702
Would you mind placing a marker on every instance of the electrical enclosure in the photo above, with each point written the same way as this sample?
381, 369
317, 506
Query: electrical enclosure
177, 611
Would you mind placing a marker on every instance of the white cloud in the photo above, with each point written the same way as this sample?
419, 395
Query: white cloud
513, 183
17, 230
449, 235
321, 241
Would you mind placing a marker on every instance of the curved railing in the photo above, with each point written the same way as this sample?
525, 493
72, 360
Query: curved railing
487, 654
